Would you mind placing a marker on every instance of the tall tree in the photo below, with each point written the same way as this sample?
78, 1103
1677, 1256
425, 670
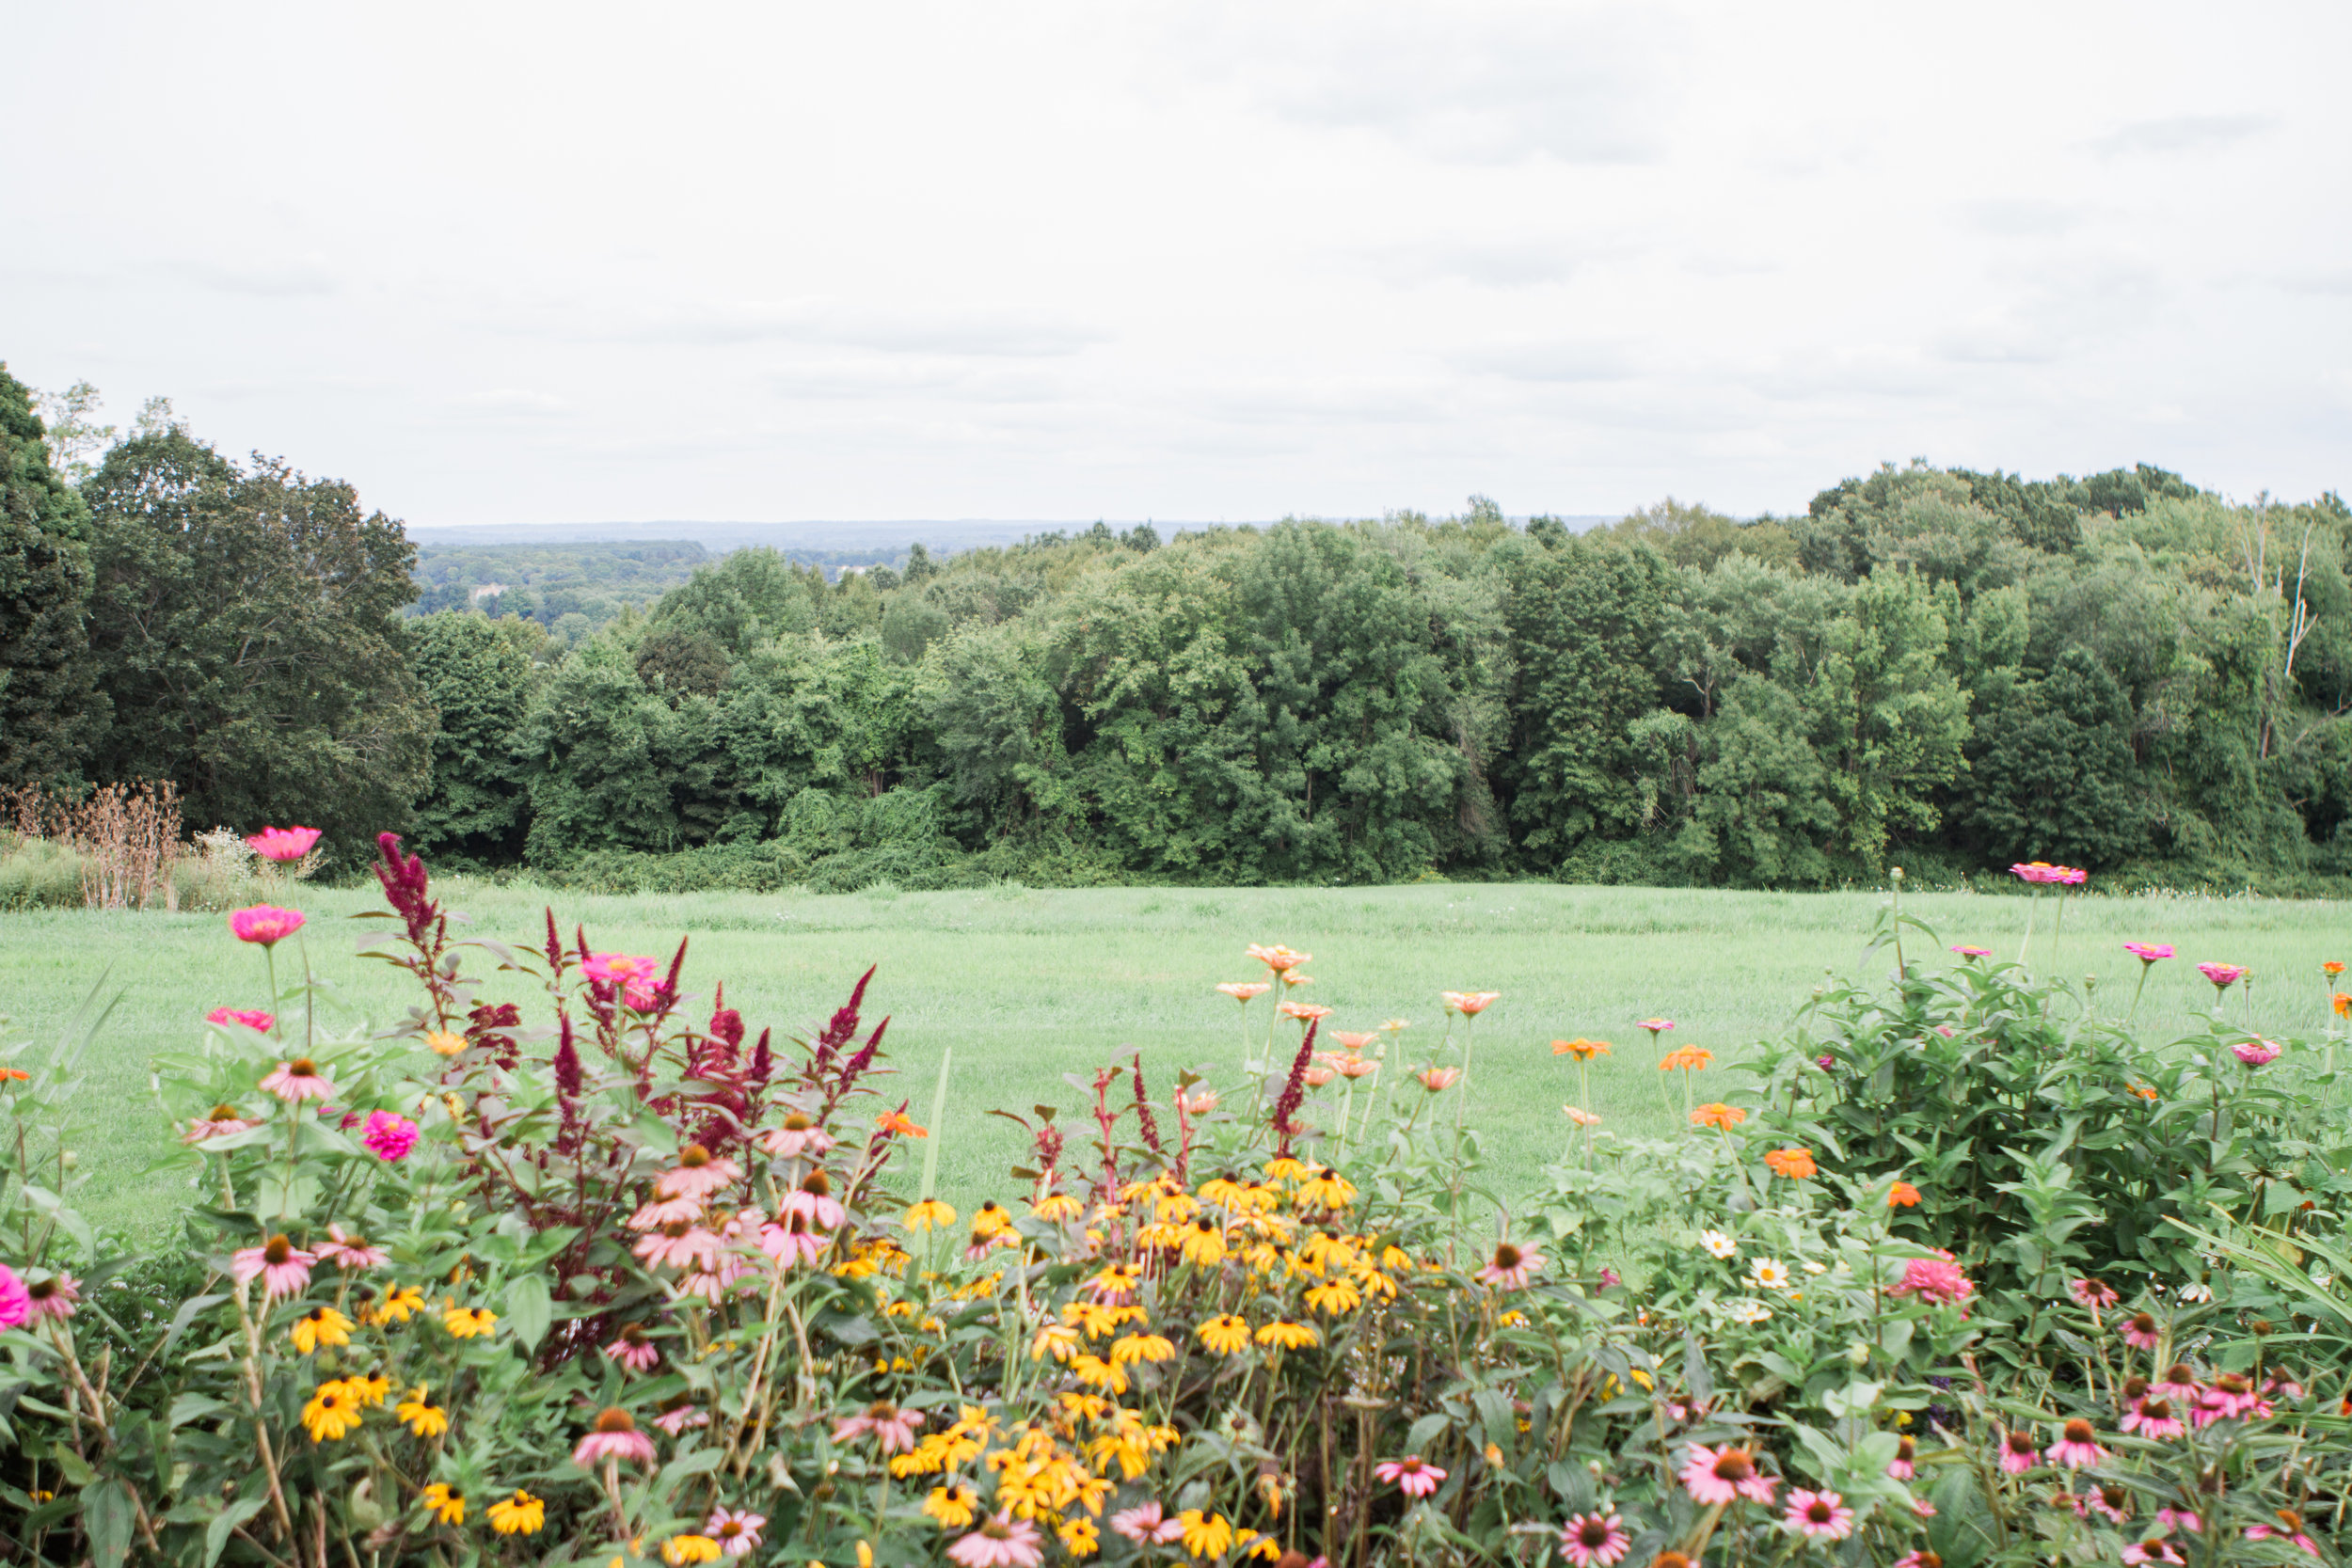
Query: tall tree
49, 714
243, 622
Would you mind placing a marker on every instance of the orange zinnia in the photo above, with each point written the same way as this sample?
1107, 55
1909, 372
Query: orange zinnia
2342, 1004
1794, 1164
1691, 1057
2332, 967
1903, 1194
899, 1122
2145, 1091
1583, 1050
1717, 1114
16, 1075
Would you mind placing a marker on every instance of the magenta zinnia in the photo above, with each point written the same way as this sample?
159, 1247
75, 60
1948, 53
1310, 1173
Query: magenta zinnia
389, 1136
254, 1020
2149, 952
264, 924
283, 844
2222, 975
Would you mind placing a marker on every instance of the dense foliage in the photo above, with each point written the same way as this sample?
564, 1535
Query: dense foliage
1933, 668
1972, 1276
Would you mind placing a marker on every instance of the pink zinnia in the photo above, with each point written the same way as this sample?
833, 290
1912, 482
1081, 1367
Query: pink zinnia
2149, 952
633, 1349
1819, 1514
298, 1080
2151, 1416
389, 1136
676, 1245
2256, 1052
636, 978
891, 1427
1148, 1523
736, 1533
2090, 1294
53, 1297
698, 1175
1936, 1280
265, 924
1510, 1267
2075, 1447
253, 1019
1720, 1475
1595, 1541
1656, 1026
2222, 975
614, 1435
349, 1250
2141, 1331
1003, 1542
1973, 952
16, 1302
2035, 871
1412, 1474
2020, 1452
283, 844
284, 1268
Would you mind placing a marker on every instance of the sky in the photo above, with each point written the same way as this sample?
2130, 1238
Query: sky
525, 264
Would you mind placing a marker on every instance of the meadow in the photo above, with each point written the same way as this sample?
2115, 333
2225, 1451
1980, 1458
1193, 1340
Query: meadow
1027, 985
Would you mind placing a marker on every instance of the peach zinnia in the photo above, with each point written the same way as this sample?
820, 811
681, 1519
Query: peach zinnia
1242, 991
1470, 1004
1583, 1050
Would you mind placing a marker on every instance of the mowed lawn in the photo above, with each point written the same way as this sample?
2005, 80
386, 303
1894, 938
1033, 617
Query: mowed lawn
1026, 985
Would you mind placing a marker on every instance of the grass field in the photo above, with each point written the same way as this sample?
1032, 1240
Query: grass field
1025, 986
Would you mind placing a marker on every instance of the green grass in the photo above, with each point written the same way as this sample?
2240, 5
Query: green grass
1027, 986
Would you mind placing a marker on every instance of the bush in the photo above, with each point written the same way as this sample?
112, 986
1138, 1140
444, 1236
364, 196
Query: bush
630, 1284
38, 874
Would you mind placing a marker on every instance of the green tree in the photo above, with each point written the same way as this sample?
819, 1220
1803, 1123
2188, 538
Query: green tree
478, 675
243, 620
50, 713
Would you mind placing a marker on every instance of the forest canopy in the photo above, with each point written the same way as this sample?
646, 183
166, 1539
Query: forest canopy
1937, 667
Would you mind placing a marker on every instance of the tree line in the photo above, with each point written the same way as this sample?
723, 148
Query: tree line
1936, 667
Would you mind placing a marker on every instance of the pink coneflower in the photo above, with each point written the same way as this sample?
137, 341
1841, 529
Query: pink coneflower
2222, 975
1510, 1267
389, 1136
634, 1349
1819, 1514
2076, 1446
1903, 1467
613, 1436
2149, 952
2231, 1397
348, 1249
2113, 1502
2256, 1052
799, 1136
53, 1297
2153, 1550
682, 1418
2141, 1331
1438, 1079
2020, 1452
1148, 1523
1595, 1541
813, 1199
2178, 1384
698, 1174
298, 1080
1936, 1280
1922, 1557
222, 1121
2151, 1416
284, 1268
2279, 1386
676, 1245
791, 1242
1003, 1542
2090, 1294
664, 1212
1412, 1474
1720, 1475
737, 1531
264, 924
712, 1280
1973, 952
892, 1428
2289, 1528
282, 844
253, 1019
2180, 1519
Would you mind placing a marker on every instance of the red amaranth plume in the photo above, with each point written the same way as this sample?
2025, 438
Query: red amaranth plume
865, 1058
726, 1024
763, 1062
555, 945
404, 881
843, 1028
1294, 1090
1150, 1129
567, 1078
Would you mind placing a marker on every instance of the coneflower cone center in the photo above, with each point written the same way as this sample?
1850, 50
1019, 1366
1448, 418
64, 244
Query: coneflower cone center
617, 1421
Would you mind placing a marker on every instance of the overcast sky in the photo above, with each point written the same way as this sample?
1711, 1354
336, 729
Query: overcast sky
507, 263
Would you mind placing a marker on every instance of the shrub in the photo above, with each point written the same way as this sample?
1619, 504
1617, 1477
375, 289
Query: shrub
631, 1283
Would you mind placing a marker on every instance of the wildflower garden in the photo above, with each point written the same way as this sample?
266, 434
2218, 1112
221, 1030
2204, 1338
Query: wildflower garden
1967, 1267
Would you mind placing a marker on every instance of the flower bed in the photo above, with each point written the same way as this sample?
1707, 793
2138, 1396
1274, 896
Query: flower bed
1962, 1273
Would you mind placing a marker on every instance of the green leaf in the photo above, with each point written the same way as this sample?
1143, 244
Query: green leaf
529, 1312
216, 1533
106, 1514
193, 1407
